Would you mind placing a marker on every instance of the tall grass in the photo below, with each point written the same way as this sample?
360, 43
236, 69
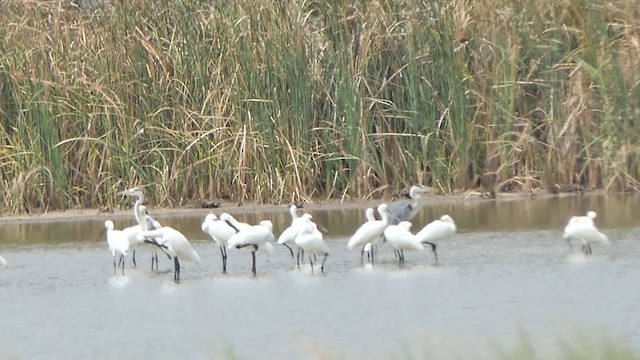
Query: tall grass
283, 101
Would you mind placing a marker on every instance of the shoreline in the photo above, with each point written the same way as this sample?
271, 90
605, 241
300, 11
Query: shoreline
193, 209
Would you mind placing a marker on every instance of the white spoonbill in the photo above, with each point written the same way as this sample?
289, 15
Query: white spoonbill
437, 230
590, 217
370, 230
310, 239
254, 238
118, 244
405, 210
174, 243
400, 237
289, 234
370, 215
308, 236
220, 232
584, 229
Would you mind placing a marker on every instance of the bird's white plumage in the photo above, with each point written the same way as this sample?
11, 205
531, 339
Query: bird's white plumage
173, 242
116, 239
370, 214
370, 230
583, 228
219, 230
3, 263
400, 237
309, 238
256, 237
289, 234
437, 229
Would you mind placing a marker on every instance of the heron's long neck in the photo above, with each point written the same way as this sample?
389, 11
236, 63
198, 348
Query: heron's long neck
137, 212
292, 211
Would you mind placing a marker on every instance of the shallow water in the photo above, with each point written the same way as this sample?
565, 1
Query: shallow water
505, 278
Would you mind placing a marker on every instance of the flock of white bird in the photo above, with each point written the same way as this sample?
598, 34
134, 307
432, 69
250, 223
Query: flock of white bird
392, 227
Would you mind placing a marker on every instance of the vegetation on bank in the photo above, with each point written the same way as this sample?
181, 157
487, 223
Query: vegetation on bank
275, 101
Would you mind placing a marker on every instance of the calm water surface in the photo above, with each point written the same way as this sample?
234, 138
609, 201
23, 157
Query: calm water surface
505, 278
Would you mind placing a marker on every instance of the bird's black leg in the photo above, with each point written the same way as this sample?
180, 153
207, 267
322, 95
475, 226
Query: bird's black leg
569, 241
298, 258
114, 265
302, 256
134, 259
253, 263
122, 260
176, 273
589, 248
433, 248
325, 259
290, 249
224, 259
372, 252
311, 263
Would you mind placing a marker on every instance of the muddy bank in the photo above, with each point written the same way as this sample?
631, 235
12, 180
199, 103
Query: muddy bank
235, 208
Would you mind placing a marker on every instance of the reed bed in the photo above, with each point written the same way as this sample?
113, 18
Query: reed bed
284, 101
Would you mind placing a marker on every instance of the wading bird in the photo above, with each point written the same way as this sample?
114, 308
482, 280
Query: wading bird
310, 239
174, 243
583, 228
254, 238
400, 237
220, 232
289, 234
370, 215
144, 220
405, 210
370, 230
437, 230
118, 244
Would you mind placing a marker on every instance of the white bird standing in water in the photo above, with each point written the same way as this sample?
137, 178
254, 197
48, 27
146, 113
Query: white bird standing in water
583, 228
174, 243
220, 232
310, 239
289, 234
405, 210
400, 237
370, 215
371, 230
118, 244
437, 230
144, 220
254, 238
